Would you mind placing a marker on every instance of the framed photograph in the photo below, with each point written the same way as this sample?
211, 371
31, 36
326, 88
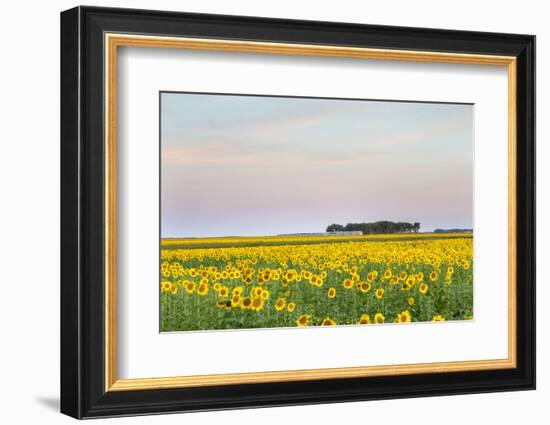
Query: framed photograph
261, 212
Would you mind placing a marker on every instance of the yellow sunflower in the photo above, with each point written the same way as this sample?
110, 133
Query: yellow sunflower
303, 320
328, 322
423, 288
246, 303
364, 320
365, 287
280, 304
203, 288
235, 300
190, 287
403, 317
257, 304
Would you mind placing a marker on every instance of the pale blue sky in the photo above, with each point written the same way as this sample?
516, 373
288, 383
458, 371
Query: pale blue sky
250, 165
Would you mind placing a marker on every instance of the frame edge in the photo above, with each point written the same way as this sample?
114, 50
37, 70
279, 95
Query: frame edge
526, 220
70, 349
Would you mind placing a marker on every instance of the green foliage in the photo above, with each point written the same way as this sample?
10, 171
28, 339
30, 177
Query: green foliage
377, 227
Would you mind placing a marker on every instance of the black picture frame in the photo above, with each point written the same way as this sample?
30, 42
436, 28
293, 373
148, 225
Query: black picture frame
82, 218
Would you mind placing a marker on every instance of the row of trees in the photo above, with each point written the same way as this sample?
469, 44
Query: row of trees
453, 230
376, 227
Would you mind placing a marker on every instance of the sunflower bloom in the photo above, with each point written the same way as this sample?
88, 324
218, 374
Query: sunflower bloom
423, 288
303, 320
246, 303
365, 287
190, 287
328, 322
280, 304
203, 289
403, 317
257, 304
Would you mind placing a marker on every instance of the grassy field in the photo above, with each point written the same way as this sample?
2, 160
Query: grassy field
261, 282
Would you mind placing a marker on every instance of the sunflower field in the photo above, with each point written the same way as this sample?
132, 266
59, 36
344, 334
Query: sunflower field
283, 282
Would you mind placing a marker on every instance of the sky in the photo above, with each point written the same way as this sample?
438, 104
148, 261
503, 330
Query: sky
253, 165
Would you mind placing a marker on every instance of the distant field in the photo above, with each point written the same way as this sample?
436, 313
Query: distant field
261, 282
237, 241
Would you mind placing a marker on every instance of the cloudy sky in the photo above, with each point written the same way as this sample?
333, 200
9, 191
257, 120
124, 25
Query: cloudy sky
250, 165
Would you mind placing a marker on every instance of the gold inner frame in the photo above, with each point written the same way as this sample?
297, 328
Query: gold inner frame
113, 41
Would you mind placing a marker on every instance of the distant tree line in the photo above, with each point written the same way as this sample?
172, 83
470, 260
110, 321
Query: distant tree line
453, 230
376, 227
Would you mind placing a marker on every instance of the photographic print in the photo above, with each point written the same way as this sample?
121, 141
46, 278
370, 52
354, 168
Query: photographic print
294, 212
